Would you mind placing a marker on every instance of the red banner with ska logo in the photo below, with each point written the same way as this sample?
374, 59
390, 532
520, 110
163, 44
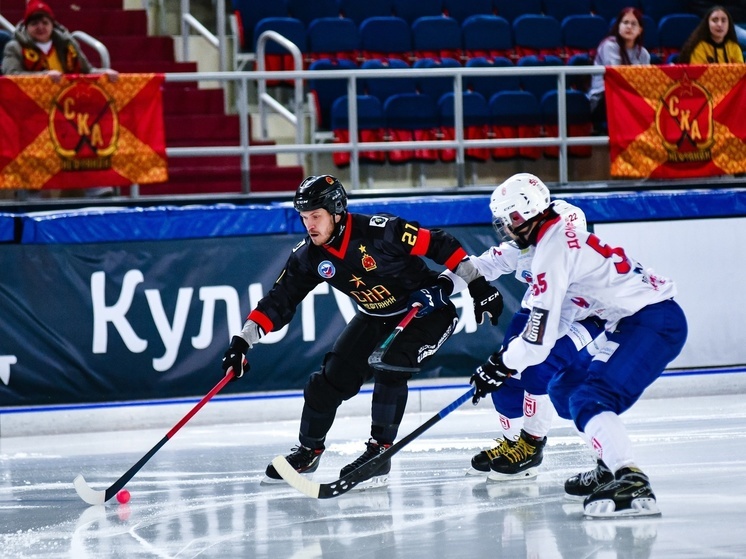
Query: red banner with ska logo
83, 131
676, 121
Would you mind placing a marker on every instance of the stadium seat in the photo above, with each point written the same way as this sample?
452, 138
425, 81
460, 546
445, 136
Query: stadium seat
580, 82
578, 121
386, 37
673, 31
650, 38
476, 124
460, 10
250, 12
515, 114
581, 34
609, 9
560, 9
539, 85
370, 126
383, 88
512, 9
410, 10
435, 87
488, 37
277, 57
333, 37
656, 9
411, 116
325, 92
360, 10
436, 37
308, 10
489, 85
537, 35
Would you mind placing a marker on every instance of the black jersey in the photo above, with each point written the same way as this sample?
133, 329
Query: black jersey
375, 259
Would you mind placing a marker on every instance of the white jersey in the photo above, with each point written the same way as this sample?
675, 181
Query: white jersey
572, 269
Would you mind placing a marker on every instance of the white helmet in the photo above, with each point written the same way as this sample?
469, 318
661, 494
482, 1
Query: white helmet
516, 201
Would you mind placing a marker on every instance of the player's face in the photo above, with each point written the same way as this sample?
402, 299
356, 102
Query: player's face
718, 25
40, 29
319, 224
629, 29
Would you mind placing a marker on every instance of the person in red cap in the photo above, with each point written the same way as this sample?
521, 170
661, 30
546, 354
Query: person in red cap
41, 44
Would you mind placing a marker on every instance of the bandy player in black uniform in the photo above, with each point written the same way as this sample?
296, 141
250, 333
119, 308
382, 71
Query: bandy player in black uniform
376, 260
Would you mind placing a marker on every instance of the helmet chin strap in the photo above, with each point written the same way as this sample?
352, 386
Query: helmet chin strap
533, 226
338, 227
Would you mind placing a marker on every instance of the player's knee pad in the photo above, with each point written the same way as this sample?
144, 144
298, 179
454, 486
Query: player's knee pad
337, 381
388, 377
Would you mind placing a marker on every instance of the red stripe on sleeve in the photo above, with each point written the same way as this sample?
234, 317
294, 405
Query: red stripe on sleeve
262, 320
456, 257
423, 242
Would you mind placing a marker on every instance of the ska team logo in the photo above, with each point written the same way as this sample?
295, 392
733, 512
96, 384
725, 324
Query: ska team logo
326, 269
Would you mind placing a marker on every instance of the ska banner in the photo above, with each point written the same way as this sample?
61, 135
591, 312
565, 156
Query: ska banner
676, 121
81, 132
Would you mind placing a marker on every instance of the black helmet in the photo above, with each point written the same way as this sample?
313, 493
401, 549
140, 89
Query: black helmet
323, 191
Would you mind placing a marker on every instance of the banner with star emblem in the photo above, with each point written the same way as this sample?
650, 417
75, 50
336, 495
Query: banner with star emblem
676, 121
81, 132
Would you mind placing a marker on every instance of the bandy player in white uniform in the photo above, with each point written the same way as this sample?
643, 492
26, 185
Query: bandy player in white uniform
645, 331
523, 405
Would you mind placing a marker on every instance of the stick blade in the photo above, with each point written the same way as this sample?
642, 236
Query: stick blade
85, 492
299, 482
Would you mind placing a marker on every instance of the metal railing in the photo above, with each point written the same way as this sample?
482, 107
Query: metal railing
243, 81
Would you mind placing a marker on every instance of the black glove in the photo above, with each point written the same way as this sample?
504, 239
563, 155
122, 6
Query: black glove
487, 300
489, 376
431, 298
235, 357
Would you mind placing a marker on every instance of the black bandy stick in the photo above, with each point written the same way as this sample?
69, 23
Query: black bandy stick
93, 497
364, 472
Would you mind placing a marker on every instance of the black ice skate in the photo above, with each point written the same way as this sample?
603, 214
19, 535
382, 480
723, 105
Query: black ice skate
304, 460
629, 494
520, 461
380, 476
583, 484
480, 463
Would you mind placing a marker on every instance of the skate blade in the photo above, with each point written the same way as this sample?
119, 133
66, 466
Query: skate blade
373, 483
272, 481
474, 472
606, 508
520, 476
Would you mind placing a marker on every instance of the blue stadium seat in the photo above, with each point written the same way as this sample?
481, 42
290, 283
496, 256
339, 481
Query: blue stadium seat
460, 10
386, 37
650, 37
656, 9
410, 10
511, 9
578, 120
251, 12
435, 87
476, 114
383, 88
581, 34
539, 85
673, 31
277, 57
325, 92
489, 85
333, 37
360, 10
515, 114
560, 9
487, 36
537, 35
436, 37
609, 9
411, 116
308, 10
370, 125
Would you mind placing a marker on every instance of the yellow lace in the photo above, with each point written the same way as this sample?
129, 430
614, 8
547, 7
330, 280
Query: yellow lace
502, 447
520, 451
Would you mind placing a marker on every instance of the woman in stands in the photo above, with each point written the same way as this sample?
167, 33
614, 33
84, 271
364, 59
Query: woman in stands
622, 46
713, 41
40, 44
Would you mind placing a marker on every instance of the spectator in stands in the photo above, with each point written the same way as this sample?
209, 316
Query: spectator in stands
622, 46
41, 44
736, 8
713, 41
